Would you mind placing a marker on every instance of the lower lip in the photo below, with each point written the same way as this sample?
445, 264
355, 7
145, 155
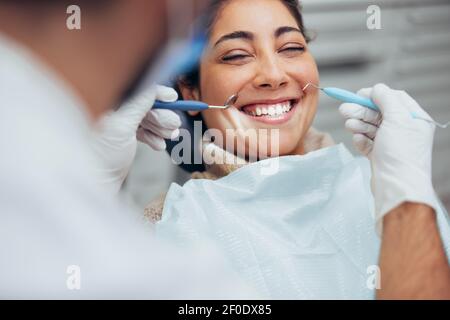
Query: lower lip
283, 118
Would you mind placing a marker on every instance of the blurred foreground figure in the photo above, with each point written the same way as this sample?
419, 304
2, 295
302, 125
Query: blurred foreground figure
62, 232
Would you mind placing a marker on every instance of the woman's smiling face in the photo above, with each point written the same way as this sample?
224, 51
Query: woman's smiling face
256, 49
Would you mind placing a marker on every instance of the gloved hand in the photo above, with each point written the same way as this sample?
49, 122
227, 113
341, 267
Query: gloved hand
398, 146
115, 141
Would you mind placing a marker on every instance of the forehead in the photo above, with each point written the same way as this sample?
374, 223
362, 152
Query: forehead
260, 17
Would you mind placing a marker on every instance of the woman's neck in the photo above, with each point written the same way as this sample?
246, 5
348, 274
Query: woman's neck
299, 149
313, 140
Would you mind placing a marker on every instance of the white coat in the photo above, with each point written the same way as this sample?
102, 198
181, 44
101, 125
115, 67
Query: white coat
61, 235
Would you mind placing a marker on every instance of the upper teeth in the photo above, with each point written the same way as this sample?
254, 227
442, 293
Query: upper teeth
271, 110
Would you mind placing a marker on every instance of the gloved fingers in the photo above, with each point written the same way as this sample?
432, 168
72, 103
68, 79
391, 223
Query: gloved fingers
389, 101
135, 109
363, 144
365, 92
163, 133
147, 137
166, 94
360, 127
160, 131
356, 111
412, 106
163, 118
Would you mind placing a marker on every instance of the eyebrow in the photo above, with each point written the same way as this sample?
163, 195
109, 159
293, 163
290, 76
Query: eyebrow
236, 35
250, 36
282, 30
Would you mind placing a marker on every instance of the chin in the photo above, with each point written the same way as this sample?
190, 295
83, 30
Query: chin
289, 142
286, 145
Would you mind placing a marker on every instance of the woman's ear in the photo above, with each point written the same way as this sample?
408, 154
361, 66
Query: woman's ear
189, 93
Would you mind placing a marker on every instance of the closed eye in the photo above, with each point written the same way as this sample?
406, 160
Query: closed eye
234, 57
293, 49
239, 57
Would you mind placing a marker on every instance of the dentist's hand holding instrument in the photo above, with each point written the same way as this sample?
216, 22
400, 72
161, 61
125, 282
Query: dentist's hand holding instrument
118, 132
149, 118
398, 145
413, 263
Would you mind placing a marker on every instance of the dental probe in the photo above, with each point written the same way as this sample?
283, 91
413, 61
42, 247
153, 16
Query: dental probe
189, 105
348, 96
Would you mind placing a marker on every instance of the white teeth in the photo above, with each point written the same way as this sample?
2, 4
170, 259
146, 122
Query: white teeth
273, 110
279, 109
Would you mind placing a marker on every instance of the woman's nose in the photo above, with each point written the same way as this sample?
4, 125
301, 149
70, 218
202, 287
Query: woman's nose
270, 75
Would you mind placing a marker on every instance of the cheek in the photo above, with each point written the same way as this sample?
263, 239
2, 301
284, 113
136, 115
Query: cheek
216, 119
219, 82
313, 72
305, 71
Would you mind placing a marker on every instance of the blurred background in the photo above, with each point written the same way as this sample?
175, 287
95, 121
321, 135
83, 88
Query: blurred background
411, 52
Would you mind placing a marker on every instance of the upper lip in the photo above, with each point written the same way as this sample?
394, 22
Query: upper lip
267, 101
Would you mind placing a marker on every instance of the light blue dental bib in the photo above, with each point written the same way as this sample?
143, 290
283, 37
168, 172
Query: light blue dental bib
306, 232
